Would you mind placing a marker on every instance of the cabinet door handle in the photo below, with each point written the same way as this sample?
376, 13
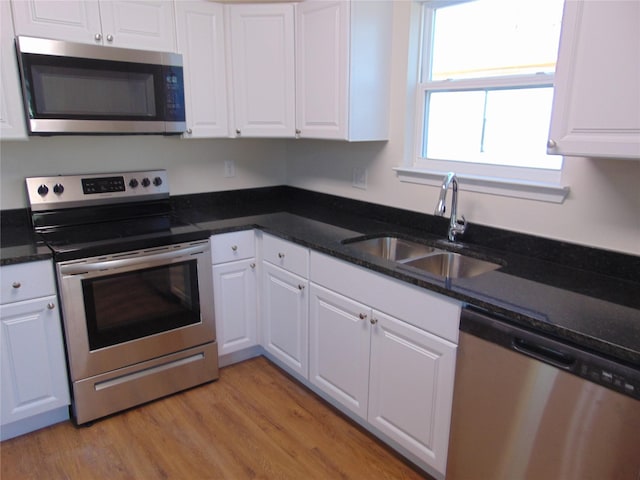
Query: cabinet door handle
16, 284
238, 132
234, 248
362, 316
98, 37
109, 38
300, 287
51, 305
373, 321
253, 265
280, 255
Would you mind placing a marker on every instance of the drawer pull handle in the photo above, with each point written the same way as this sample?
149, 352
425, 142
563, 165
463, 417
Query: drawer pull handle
16, 284
51, 305
373, 321
362, 316
300, 287
281, 255
234, 248
253, 265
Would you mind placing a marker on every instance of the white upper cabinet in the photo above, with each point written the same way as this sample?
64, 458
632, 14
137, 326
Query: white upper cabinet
200, 30
143, 24
343, 64
596, 109
12, 124
261, 45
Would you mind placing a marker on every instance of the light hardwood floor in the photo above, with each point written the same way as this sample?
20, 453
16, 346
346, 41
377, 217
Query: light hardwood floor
255, 422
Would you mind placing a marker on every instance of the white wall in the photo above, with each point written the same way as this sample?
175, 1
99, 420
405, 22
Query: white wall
602, 210
194, 166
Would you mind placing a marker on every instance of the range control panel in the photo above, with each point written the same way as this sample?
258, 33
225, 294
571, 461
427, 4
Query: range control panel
71, 191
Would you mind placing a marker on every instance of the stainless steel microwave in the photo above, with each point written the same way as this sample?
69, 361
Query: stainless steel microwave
73, 88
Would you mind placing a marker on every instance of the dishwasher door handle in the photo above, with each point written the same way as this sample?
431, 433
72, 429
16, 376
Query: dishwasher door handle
544, 353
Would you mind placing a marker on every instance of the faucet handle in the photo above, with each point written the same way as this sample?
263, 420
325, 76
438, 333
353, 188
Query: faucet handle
460, 226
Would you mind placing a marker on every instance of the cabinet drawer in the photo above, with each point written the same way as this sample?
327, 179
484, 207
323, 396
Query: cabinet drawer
228, 247
24, 281
287, 255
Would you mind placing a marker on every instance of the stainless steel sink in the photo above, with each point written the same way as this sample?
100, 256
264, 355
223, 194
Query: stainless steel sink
453, 265
392, 248
423, 257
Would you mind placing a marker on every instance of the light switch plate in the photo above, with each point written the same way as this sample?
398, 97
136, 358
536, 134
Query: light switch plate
360, 178
229, 168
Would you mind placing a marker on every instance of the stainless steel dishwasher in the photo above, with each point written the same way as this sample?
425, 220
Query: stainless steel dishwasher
529, 407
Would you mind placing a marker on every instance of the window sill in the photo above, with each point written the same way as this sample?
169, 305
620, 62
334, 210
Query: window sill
540, 191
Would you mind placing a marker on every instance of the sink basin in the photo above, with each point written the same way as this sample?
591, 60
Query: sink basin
453, 265
423, 257
392, 248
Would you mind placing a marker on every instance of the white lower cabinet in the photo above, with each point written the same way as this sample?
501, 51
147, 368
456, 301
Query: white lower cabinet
235, 294
285, 317
339, 348
386, 351
33, 372
285, 303
411, 387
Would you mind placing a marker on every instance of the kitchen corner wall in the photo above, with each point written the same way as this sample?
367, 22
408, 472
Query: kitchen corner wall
602, 210
194, 166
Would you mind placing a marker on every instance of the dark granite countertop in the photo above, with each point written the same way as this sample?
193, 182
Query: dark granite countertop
586, 297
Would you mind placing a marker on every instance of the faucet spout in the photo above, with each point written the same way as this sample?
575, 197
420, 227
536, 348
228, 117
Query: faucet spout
456, 227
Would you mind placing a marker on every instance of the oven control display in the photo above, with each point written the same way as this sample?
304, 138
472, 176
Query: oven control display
102, 185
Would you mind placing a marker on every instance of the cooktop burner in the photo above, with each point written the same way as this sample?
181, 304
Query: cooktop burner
88, 215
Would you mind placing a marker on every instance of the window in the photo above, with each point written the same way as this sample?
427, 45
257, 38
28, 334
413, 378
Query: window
486, 88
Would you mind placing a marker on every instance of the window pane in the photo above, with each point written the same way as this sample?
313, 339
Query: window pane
485, 38
501, 127
517, 126
454, 124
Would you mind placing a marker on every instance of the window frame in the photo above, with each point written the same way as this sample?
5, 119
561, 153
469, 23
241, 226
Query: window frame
524, 182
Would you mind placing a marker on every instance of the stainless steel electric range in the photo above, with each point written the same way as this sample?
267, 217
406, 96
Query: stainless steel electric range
135, 288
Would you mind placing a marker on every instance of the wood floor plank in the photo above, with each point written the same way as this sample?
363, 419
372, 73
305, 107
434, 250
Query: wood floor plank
256, 422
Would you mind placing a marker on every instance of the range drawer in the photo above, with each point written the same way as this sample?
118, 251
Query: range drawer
285, 254
231, 246
24, 281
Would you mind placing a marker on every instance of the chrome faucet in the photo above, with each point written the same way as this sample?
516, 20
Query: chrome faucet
456, 227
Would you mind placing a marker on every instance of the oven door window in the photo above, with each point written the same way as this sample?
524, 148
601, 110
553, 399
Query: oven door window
140, 303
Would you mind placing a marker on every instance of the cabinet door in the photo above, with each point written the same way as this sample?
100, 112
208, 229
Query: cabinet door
201, 42
148, 24
34, 374
285, 317
411, 388
322, 68
71, 20
339, 348
263, 74
12, 124
596, 109
235, 299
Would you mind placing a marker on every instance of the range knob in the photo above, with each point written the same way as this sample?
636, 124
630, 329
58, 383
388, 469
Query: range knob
43, 190
133, 183
145, 182
58, 188
157, 181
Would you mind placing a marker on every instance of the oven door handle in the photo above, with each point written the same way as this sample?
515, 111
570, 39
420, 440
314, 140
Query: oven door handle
148, 260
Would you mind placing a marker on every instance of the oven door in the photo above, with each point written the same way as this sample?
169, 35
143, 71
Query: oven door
127, 308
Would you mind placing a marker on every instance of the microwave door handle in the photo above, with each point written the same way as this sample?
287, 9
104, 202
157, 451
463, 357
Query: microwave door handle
150, 260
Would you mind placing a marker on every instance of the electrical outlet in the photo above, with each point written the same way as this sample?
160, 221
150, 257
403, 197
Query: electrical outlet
360, 178
229, 168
